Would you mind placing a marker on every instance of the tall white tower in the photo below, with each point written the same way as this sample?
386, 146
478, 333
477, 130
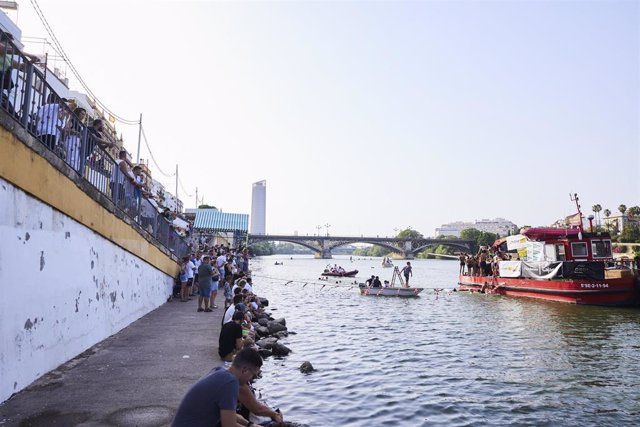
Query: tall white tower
258, 208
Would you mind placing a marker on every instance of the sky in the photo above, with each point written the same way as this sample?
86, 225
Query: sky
371, 116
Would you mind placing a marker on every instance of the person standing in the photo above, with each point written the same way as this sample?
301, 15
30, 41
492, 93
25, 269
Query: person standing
49, 121
205, 281
213, 399
406, 270
73, 135
463, 260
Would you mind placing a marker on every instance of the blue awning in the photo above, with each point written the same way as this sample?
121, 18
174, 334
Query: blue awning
214, 220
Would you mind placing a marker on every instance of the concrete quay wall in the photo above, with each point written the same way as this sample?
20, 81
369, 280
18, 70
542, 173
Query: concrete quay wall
64, 289
74, 269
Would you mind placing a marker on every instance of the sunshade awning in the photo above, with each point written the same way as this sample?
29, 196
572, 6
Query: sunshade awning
214, 220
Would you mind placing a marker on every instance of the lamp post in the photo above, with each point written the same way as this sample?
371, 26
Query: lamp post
327, 227
318, 227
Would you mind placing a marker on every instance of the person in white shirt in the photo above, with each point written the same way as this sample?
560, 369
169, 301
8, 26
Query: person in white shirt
49, 121
237, 304
190, 267
220, 262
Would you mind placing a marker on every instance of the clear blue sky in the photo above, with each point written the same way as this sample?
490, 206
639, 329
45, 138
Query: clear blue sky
372, 116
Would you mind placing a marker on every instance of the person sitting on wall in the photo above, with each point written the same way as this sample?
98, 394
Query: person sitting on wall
230, 340
212, 401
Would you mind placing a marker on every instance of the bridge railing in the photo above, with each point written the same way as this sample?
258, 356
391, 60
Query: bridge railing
34, 104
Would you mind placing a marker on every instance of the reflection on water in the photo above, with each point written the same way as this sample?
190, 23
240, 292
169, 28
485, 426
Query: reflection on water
446, 359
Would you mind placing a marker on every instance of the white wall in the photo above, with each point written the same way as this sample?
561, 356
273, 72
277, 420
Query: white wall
63, 288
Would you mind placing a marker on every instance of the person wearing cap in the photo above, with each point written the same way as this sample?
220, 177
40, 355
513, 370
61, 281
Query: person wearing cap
230, 341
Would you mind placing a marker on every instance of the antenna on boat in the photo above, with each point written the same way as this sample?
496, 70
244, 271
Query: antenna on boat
574, 198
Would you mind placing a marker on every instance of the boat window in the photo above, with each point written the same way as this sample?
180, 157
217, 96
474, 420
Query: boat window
601, 248
579, 249
560, 256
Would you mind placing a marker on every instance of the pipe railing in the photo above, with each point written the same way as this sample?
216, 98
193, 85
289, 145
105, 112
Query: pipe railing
29, 99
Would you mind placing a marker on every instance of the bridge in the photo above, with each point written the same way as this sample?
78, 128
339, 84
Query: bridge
407, 247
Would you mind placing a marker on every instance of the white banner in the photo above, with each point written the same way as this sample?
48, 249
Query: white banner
516, 242
535, 252
510, 268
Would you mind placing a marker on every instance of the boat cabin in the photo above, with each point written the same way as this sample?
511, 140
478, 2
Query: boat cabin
572, 244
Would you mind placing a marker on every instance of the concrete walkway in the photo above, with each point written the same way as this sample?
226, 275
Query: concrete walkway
134, 378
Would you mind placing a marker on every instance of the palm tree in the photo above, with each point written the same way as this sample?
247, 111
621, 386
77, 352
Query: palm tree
596, 209
622, 209
607, 214
633, 211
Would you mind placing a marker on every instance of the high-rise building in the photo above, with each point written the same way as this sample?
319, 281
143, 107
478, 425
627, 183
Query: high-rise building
258, 208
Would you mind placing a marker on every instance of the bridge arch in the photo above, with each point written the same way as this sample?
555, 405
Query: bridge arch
304, 244
451, 243
389, 246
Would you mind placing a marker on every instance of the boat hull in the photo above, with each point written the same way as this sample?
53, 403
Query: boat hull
345, 274
390, 292
622, 292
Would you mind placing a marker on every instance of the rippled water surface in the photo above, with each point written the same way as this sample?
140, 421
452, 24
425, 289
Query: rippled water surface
451, 359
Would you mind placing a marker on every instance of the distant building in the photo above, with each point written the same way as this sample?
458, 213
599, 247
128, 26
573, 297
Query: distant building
258, 208
498, 226
616, 223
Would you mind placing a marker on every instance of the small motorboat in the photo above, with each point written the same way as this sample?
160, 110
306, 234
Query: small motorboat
390, 291
330, 273
386, 263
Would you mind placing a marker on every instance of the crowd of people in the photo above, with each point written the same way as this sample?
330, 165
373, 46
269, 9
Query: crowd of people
81, 137
225, 396
486, 262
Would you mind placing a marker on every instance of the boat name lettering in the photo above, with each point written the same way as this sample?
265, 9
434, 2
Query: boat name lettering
594, 285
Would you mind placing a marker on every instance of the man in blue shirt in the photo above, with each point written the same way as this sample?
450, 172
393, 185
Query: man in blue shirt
213, 399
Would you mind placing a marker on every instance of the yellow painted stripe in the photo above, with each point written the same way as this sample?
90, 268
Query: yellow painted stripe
32, 173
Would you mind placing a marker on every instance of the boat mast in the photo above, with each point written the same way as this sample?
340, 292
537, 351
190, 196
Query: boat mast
574, 198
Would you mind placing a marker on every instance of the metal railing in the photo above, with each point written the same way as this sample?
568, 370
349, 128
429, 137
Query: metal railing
29, 99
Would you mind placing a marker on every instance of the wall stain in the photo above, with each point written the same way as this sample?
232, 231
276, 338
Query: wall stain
93, 264
28, 324
121, 294
77, 301
97, 296
15, 384
19, 238
42, 260
67, 235
40, 225
27, 236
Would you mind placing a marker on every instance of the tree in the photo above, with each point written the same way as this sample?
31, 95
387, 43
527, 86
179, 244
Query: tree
471, 234
633, 212
630, 234
596, 210
486, 238
262, 248
206, 207
607, 214
409, 233
622, 209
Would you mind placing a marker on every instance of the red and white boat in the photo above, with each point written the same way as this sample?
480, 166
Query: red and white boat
562, 264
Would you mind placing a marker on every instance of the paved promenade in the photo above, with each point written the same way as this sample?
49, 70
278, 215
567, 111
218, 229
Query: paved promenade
134, 378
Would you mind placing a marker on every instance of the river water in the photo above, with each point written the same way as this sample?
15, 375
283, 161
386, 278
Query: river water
446, 359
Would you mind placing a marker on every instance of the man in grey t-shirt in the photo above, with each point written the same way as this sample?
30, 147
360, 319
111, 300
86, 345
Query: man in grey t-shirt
213, 399
205, 283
